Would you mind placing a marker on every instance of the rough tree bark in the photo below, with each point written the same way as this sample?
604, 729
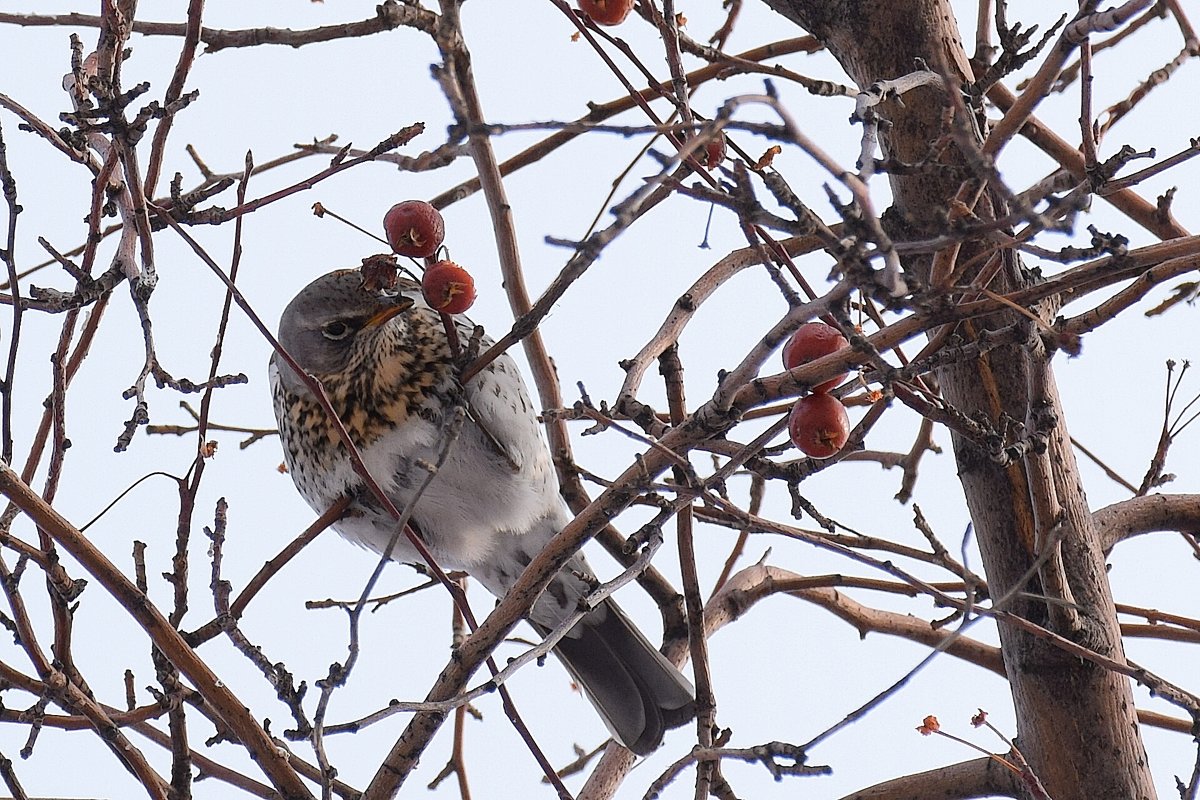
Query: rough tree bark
1076, 720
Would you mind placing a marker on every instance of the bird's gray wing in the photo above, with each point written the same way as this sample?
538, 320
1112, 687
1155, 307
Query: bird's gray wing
499, 405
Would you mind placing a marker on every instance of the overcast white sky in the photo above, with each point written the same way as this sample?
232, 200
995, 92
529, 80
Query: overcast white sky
785, 672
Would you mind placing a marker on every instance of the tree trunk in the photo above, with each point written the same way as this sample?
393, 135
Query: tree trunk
1076, 721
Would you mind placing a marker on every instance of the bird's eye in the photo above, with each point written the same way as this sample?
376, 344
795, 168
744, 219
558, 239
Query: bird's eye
335, 330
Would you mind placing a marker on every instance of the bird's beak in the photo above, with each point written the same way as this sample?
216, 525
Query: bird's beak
398, 305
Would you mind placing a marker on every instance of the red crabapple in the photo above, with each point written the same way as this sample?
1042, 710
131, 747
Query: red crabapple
448, 287
811, 341
414, 228
818, 425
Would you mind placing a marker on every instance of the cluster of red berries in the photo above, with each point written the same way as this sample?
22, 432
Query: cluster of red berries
818, 423
415, 228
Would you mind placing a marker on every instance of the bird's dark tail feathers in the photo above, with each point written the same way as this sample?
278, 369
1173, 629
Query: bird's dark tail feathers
637, 691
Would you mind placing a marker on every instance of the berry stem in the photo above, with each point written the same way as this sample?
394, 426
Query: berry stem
321, 211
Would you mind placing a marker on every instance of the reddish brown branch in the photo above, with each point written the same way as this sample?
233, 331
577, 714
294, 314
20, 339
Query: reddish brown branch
231, 710
389, 16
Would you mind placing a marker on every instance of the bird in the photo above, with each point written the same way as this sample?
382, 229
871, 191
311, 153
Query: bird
386, 364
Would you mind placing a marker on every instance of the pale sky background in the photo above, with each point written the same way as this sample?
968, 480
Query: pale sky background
787, 670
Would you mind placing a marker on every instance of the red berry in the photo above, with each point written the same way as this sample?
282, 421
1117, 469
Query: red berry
818, 425
414, 228
714, 152
606, 12
448, 287
810, 342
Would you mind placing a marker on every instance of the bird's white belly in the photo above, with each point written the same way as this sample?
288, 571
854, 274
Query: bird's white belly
472, 501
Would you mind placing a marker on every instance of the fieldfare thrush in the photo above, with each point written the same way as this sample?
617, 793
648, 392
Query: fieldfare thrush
386, 365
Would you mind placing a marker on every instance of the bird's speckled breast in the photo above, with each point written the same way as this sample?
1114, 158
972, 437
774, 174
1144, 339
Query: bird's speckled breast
395, 371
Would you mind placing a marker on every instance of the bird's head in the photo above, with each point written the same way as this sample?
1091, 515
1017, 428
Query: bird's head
335, 318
